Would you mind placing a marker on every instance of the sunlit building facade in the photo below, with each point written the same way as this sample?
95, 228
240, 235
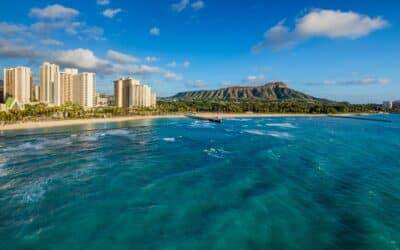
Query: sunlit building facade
50, 84
129, 93
17, 84
84, 89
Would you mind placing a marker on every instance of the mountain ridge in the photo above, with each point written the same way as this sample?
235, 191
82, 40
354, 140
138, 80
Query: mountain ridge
273, 91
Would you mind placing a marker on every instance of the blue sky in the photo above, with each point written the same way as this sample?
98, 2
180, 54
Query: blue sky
344, 50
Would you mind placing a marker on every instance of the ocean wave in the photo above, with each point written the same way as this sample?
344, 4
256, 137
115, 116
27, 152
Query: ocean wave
117, 132
33, 192
216, 153
169, 139
279, 134
254, 132
239, 119
281, 125
202, 124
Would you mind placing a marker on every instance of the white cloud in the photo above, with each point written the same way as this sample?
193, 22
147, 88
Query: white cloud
336, 24
48, 27
110, 13
120, 57
103, 2
55, 11
9, 50
361, 82
172, 64
321, 23
11, 29
173, 76
198, 5
82, 59
51, 42
227, 84
196, 83
180, 6
186, 64
151, 59
95, 33
143, 70
155, 31
254, 80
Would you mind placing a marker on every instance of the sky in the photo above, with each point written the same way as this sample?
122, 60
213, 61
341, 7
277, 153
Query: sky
344, 50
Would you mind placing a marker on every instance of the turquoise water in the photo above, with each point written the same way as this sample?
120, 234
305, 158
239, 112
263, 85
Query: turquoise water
261, 183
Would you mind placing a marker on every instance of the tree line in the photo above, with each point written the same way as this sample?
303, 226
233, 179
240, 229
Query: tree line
41, 111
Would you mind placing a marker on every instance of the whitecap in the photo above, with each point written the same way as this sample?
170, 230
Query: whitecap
254, 132
239, 119
118, 132
281, 125
216, 153
202, 124
169, 139
34, 192
279, 134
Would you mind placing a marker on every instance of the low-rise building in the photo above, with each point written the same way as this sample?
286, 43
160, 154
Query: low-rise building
102, 100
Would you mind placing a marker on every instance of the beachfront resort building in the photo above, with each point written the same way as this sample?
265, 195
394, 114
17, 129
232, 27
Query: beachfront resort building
18, 84
84, 89
50, 84
67, 81
129, 92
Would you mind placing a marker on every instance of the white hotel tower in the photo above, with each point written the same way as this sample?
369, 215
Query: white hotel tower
17, 84
50, 84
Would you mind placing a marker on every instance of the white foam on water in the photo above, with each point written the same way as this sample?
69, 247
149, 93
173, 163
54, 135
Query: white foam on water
169, 139
3, 172
239, 119
202, 124
279, 134
31, 146
216, 153
281, 125
119, 132
254, 132
33, 192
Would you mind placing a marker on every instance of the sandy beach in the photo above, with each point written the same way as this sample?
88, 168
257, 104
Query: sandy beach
63, 123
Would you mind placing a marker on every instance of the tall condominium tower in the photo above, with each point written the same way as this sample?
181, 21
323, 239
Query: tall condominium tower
84, 89
129, 92
50, 84
66, 81
17, 84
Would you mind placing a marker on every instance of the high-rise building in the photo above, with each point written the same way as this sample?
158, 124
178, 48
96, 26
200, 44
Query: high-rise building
17, 84
129, 92
50, 84
66, 81
1, 91
84, 89
36, 93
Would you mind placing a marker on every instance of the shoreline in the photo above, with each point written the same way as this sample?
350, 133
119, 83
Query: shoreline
65, 123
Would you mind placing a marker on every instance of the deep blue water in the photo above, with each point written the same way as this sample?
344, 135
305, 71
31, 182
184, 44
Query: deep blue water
261, 183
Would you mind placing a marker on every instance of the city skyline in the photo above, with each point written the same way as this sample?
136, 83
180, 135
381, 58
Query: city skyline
340, 51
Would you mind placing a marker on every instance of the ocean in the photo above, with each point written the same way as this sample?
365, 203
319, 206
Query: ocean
249, 183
